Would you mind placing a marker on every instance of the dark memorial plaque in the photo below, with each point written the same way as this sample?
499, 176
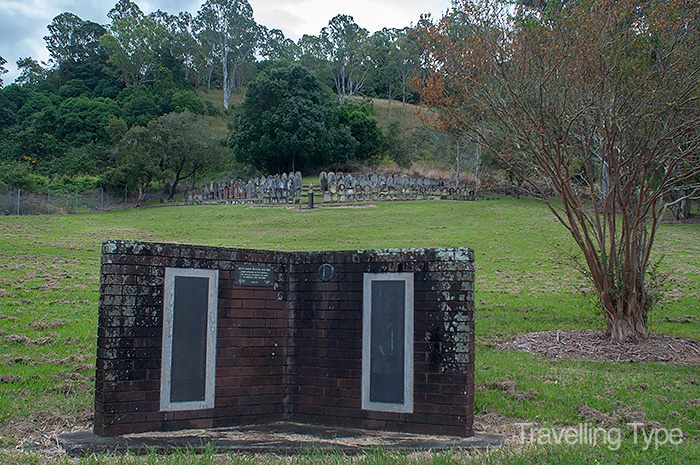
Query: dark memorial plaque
189, 343
387, 375
254, 275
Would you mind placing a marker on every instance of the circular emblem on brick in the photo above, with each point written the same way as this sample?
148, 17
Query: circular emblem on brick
326, 271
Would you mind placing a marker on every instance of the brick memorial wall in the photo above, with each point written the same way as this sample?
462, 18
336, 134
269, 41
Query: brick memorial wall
199, 337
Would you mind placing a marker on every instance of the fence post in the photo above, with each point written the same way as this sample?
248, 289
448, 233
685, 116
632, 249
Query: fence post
102, 199
76, 201
126, 190
49, 201
19, 194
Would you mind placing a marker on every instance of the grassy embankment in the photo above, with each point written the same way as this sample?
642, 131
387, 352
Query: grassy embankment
49, 279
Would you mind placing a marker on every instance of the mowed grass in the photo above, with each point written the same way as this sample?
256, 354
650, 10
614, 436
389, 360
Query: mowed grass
49, 283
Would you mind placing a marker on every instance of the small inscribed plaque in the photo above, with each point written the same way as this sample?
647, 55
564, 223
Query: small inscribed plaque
254, 275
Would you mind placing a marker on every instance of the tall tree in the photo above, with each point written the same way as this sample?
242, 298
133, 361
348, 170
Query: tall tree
139, 159
133, 41
599, 100
3, 62
314, 53
233, 34
30, 71
71, 38
286, 122
178, 41
190, 146
407, 59
348, 55
275, 46
384, 61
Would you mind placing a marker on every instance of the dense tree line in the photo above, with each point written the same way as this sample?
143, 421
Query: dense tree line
100, 104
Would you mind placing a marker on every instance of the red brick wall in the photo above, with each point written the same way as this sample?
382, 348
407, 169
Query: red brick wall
290, 351
326, 341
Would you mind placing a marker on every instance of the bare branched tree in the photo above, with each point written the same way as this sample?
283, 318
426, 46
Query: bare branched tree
598, 101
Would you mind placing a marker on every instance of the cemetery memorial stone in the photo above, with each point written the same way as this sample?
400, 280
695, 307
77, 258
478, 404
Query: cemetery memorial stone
333, 187
323, 181
284, 188
201, 337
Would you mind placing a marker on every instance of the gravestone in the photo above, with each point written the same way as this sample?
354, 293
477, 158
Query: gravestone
298, 184
323, 181
284, 188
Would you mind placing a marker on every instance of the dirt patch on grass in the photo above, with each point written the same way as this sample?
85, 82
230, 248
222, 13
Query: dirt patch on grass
22, 339
511, 389
622, 414
593, 345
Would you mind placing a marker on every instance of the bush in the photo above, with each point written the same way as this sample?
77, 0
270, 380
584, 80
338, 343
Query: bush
69, 185
17, 175
188, 100
212, 110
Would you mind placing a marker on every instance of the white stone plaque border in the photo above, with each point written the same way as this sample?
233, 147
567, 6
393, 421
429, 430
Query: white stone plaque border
166, 358
407, 405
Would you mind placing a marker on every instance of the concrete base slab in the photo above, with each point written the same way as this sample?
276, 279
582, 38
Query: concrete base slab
277, 438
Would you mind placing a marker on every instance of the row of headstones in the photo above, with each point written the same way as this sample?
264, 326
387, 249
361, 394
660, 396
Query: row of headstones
285, 188
335, 187
339, 187
331, 182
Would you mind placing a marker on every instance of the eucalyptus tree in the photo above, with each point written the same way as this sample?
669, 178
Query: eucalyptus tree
383, 56
275, 46
133, 42
3, 62
73, 39
230, 30
30, 71
407, 58
179, 39
314, 53
349, 59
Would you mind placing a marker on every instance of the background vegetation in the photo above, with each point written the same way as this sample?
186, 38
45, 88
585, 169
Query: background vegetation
97, 107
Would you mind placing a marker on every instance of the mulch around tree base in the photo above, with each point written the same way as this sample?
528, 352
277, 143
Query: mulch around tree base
593, 345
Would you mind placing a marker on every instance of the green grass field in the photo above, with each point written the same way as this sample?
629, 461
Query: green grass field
49, 279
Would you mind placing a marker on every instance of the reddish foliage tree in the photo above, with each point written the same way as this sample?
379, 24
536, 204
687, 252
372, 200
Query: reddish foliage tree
596, 100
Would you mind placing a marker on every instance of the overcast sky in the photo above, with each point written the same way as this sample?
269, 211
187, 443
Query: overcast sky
23, 22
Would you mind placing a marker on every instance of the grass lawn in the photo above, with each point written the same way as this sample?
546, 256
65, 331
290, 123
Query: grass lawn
49, 279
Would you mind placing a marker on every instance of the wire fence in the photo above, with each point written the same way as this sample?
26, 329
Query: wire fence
53, 203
